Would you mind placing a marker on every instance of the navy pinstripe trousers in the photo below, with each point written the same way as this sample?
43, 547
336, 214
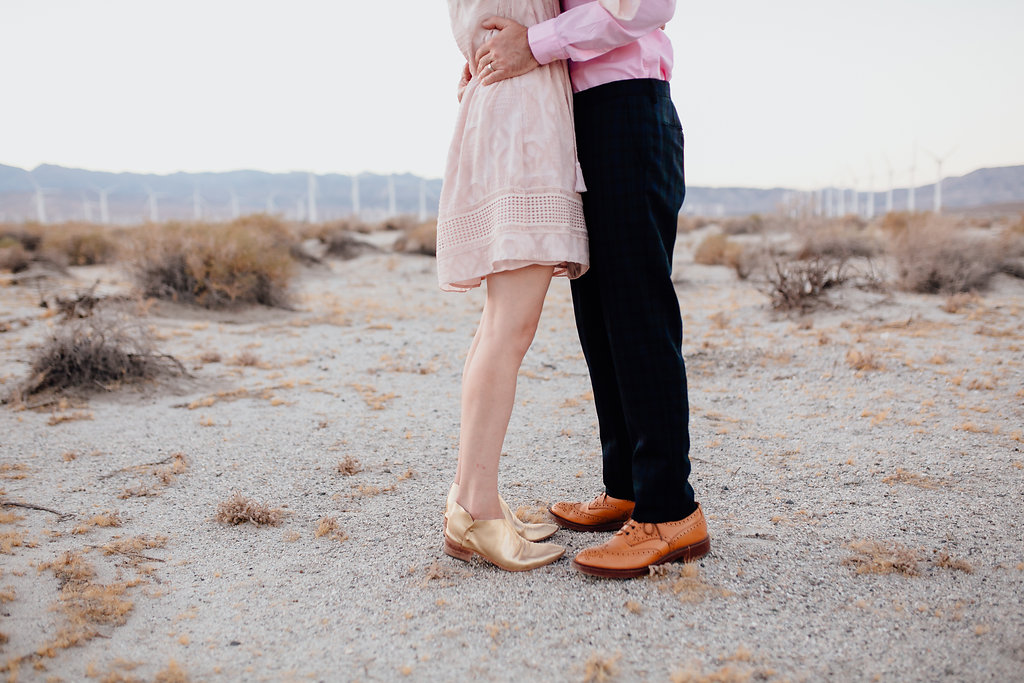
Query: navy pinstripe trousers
630, 147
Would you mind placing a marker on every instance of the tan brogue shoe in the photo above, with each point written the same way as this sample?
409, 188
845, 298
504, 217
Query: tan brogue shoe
637, 546
529, 531
604, 513
495, 541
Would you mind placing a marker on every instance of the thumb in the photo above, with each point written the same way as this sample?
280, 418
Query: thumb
499, 23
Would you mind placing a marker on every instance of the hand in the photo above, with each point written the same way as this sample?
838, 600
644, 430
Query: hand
463, 81
505, 55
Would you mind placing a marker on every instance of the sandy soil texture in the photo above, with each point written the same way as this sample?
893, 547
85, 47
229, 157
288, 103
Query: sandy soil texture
861, 468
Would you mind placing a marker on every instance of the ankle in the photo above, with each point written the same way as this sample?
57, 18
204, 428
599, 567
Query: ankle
480, 507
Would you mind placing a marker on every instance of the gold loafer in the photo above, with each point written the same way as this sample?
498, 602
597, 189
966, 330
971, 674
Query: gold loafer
529, 531
495, 541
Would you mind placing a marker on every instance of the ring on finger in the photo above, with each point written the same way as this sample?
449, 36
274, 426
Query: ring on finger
490, 67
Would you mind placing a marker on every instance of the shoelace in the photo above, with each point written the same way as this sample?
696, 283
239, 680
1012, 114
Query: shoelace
631, 525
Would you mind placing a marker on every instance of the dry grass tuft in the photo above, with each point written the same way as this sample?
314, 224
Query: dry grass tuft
168, 473
173, 673
245, 359
957, 303
685, 582
349, 466
329, 527
601, 668
241, 510
902, 476
373, 399
98, 352
729, 673
247, 261
110, 518
862, 361
533, 514
9, 540
873, 557
944, 560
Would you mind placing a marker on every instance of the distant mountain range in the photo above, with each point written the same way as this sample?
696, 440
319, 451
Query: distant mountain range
55, 194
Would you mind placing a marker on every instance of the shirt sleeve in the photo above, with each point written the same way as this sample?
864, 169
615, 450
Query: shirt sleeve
597, 27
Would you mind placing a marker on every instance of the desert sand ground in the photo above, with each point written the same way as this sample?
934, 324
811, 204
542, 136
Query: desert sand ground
861, 468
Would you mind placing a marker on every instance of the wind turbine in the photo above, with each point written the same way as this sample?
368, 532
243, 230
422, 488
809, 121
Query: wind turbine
938, 179
86, 209
910, 190
154, 213
423, 199
311, 192
355, 195
888, 194
197, 204
103, 192
392, 210
235, 211
871, 191
40, 198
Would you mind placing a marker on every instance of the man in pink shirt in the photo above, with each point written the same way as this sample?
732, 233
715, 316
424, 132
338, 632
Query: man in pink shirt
630, 147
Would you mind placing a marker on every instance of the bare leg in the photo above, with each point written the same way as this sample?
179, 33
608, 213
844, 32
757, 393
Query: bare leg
511, 314
465, 369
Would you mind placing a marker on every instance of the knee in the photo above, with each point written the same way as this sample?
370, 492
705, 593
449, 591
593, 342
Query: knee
513, 337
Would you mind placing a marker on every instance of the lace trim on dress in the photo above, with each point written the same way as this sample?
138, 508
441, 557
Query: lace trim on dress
520, 211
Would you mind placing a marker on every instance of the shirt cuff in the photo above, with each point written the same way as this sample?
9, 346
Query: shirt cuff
544, 43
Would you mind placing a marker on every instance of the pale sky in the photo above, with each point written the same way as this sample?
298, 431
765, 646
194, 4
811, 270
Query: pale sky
796, 93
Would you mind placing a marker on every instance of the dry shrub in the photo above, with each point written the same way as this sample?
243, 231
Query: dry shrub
247, 261
27, 235
691, 223
80, 243
933, 257
1018, 227
873, 557
95, 352
241, 510
745, 225
601, 668
801, 285
349, 466
718, 250
839, 243
13, 257
329, 527
418, 238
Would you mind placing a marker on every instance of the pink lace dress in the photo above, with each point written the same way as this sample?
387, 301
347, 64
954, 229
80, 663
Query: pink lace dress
510, 195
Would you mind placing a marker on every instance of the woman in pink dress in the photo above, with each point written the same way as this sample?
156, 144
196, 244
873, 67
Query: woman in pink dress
510, 214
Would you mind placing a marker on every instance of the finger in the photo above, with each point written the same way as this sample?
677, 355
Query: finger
499, 23
481, 53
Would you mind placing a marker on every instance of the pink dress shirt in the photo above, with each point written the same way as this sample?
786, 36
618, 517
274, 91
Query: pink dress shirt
607, 40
